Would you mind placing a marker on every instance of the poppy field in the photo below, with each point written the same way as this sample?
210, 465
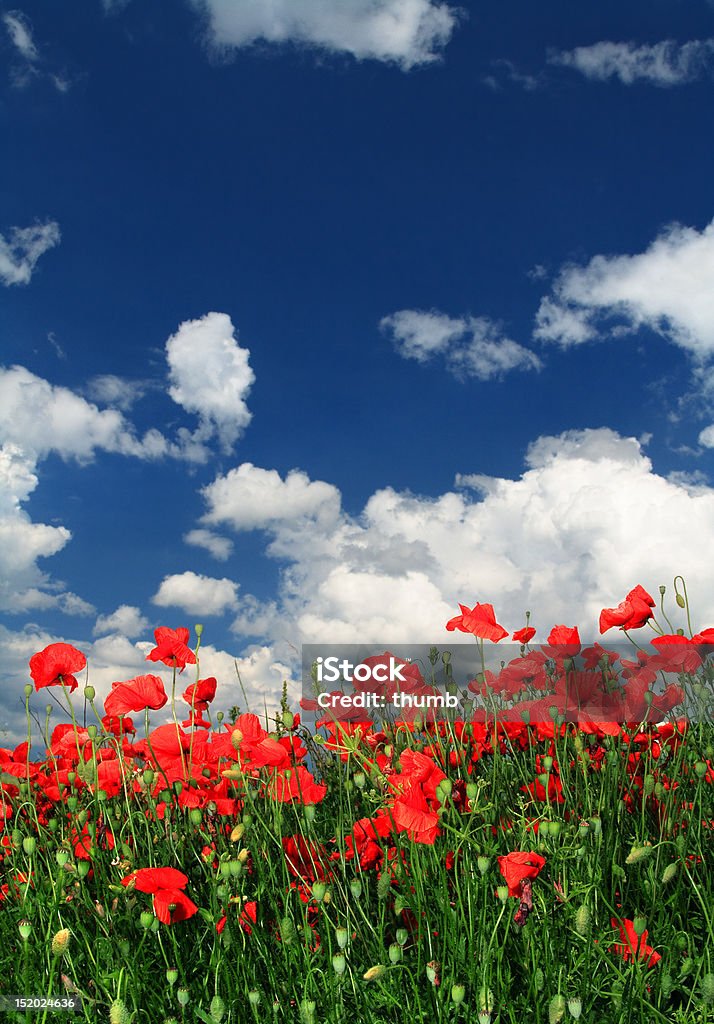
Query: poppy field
545, 857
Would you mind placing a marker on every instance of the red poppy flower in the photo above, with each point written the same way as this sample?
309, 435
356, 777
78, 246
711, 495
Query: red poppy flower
171, 648
171, 905
135, 695
56, 665
295, 784
117, 725
515, 867
479, 620
632, 613
523, 636
633, 944
153, 879
200, 694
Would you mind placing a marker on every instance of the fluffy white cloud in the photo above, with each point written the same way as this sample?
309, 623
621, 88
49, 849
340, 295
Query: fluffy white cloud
665, 63
20, 251
587, 520
407, 32
248, 498
471, 346
119, 392
126, 620
42, 418
20, 33
210, 375
197, 595
219, 547
669, 289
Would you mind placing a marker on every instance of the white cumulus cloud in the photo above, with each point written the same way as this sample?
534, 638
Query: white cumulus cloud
20, 251
219, 547
197, 595
587, 520
405, 32
665, 63
668, 288
471, 346
210, 376
126, 620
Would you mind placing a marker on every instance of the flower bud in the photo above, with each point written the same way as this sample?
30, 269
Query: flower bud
89, 692
374, 972
27, 690
395, 953
198, 630
681, 603
669, 872
288, 719
700, 769
60, 942
638, 853
146, 919
318, 891
582, 920
556, 1009
29, 844
217, 1009
195, 816
639, 925
83, 869
236, 739
118, 1013
471, 790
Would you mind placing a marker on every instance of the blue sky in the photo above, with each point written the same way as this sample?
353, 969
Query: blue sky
318, 320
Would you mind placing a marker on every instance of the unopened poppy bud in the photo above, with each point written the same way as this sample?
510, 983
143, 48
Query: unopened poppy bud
243, 856
471, 790
556, 1009
575, 1007
25, 928
29, 844
639, 925
444, 790
582, 920
172, 975
638, 853
92, 732
502, 893
374, 972
339, 964
458, 994
700, 769
198, 630
318, 891
27, 690
89, 692
432, 972
288, 719
146, 919
485, 1000
217, 1009
236, 739
395, 953
681, 603
237, 832
547, 763
554, 828
309, 812
182, 996
118, 1013
669, 873
356, 888
195, 816
60, 941
483, 864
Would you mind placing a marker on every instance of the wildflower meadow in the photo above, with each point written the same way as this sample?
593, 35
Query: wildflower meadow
544, 853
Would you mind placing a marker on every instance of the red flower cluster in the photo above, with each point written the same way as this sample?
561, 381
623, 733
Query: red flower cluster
171, 904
